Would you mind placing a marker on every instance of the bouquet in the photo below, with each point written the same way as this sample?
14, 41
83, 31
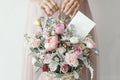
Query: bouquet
57, 50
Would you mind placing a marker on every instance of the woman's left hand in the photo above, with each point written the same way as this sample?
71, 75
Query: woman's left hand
70, 7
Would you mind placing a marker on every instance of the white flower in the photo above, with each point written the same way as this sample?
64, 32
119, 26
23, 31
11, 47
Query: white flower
33, 60
90, 43
61, 50
74, 40
35, 42
53, 65
53, 33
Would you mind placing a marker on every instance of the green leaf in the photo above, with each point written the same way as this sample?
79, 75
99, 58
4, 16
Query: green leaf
38, 72
37, 64
36, 50
96, 50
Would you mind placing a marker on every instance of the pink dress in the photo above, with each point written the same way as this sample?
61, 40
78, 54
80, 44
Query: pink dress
33, 13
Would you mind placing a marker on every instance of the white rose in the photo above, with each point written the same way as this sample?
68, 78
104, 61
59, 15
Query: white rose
74, 40
61, 50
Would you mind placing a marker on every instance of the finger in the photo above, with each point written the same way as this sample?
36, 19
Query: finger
54, 4
64, 4
47, 9
75, 11
68, 6
43, 11
72, 8
51, 7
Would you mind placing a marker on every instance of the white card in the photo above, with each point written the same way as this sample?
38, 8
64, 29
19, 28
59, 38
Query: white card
83, 25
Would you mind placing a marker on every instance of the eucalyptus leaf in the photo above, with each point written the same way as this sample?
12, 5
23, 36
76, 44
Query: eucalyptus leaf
76, 75
96, 50
36, 50
38, 72
37, 64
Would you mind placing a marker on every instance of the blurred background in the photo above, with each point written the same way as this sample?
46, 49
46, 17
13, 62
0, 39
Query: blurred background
13, 14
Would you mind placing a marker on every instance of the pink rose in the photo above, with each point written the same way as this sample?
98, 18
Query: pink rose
64, 68
77, 50
59, 28
51, 43
35, 42
90, 43
71, 59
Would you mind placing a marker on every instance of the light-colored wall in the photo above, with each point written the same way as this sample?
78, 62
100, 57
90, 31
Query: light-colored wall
107, 16
12, 22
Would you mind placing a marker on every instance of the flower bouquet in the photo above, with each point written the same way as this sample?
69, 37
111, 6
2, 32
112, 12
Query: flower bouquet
57, 51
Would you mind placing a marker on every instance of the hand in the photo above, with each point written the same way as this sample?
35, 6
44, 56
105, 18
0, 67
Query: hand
48, 7
70, 7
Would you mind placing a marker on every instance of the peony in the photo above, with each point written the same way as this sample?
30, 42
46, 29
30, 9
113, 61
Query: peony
64, 68
35, 42
77, 50
47, 59
51, 43
71, 59
45, 68
89, 43
74, 40
59, 28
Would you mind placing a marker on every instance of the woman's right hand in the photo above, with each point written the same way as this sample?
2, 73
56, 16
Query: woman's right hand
48, 7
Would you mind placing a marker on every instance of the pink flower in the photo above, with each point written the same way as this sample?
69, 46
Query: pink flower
38, 31
90, 43
42, 57
35, 42
59, 28
71, 59
77, 50
64, 68
45, 68
51, 43
47, 59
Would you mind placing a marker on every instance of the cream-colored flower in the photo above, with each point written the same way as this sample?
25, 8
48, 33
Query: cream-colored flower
74, 40
61, 50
